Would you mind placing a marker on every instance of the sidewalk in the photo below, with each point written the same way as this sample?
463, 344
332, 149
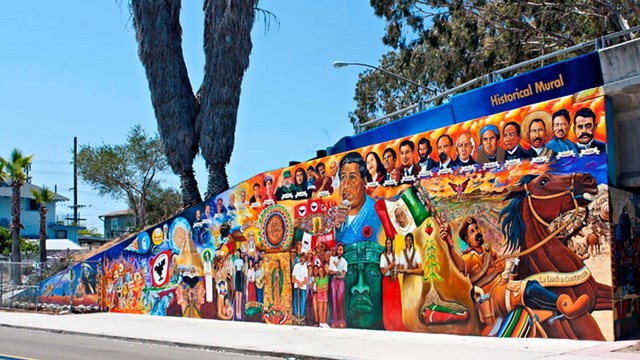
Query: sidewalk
311, 342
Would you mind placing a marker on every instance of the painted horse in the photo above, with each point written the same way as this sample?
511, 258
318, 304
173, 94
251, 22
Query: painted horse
535, 202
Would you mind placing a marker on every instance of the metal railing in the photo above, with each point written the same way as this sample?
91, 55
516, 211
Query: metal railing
57, 285
598, 44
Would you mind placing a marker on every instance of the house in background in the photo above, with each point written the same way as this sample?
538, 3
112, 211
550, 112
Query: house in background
30, 214
88, 242
118, 223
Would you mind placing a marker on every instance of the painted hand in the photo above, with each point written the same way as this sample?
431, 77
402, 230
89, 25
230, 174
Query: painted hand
445, 234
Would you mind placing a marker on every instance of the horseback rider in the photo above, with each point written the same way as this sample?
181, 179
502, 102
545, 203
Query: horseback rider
486, 272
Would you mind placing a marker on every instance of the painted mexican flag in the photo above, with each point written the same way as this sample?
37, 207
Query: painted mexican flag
403, 215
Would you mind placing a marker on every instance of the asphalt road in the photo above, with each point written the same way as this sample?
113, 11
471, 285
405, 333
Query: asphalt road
27, 344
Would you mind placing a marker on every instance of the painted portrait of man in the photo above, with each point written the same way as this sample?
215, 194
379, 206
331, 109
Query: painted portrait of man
408, 167
363, 285
424, 152
389, 159
538, 128
444, 145
511, 135
585, 126
356, 218
561, 122
465, 146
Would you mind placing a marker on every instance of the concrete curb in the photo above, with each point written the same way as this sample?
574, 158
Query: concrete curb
223, 349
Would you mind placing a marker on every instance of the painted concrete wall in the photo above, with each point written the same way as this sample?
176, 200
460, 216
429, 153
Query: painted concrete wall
420, 241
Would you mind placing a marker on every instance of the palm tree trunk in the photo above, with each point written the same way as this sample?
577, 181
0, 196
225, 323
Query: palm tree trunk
217, 179
189, 189
228, 26
16, 257
159, 35
43, 234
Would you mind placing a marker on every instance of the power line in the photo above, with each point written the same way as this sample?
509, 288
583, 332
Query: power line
52, 162
50, 172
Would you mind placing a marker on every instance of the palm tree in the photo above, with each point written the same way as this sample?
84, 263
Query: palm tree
159, 37
15, 172
3, 173
206, 119
227, 38
43, 197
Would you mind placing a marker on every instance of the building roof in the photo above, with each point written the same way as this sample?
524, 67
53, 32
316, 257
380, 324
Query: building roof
25, 191
92, 239
62, 244
118, 213
66, 227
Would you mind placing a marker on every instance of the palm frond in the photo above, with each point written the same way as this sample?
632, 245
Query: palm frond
3, 173
15, 169
268, 17
43, 196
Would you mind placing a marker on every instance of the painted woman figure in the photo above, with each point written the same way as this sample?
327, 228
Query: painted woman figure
300, 184
259, 283
251, 282
276, 284
269, 190
309, 315
225, 310
238, 264
375, 170
391, 294
322, 286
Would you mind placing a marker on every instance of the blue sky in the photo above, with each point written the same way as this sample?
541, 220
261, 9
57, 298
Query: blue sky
71, 69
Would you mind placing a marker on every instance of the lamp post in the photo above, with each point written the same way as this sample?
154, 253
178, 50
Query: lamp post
341, 64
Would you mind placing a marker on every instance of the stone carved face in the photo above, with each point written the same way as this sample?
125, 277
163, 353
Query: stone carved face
363, 287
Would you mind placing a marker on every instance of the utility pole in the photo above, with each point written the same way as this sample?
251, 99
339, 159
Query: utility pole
75, 180
75, 205
28, 169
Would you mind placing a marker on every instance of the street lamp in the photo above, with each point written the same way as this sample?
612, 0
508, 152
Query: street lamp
341, 64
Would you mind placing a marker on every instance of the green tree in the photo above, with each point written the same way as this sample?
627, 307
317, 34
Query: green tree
162, 203
124, 171
14, 171
6, 243
91, 232
43, 196
187, 120
445, 43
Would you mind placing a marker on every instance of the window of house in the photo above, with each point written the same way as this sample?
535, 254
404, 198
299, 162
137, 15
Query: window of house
33, 205
115, 224
61, 234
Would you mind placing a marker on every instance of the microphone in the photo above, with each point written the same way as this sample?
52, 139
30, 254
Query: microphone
345, 205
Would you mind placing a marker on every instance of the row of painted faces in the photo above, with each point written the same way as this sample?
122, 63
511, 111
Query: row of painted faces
547, 136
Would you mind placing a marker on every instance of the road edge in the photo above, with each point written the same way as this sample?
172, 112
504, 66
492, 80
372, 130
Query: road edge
223, 349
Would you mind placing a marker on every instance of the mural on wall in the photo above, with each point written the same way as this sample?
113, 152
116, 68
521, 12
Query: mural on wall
79, 287
626, 259
497, 226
